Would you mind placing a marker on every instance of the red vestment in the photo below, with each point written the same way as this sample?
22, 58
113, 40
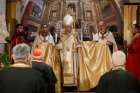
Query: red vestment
133, 60
17, 39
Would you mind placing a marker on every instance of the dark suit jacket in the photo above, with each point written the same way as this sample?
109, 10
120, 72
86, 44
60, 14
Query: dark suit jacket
118, 81
47, 73
46, 70
21, 80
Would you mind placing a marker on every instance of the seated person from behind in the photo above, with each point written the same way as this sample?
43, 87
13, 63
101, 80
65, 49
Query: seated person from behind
118, 80
20, 77
38, 63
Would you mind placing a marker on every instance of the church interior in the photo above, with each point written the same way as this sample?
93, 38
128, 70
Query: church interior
86, 14
92, 59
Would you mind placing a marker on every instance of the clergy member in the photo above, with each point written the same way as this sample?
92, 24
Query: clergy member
43, 39
106, 37
68, 50
20, 35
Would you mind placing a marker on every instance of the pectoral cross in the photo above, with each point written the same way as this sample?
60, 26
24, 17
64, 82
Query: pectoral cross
44, 39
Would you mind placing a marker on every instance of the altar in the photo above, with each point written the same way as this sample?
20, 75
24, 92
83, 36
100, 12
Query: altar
94, 61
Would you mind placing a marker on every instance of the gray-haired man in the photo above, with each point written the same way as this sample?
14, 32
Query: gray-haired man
20, 77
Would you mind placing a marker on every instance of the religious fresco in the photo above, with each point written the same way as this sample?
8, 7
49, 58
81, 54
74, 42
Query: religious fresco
32, 18
34, 11
38, 8
20, 9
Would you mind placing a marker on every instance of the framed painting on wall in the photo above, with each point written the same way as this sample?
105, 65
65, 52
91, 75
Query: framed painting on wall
37, 8
53, 15
88, 15
34, 11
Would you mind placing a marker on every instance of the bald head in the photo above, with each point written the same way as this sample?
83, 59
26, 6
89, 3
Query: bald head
118, 58
101, 23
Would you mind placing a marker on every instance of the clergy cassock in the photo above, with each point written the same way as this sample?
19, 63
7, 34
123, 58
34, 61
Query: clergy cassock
68, 52
68, 44
44, 50
103, 38
42, 42
18, 38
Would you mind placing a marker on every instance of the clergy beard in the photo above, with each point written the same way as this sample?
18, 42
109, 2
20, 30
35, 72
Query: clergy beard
44, 34
102, 32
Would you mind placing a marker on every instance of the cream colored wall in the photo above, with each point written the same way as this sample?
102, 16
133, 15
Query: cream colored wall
129, 18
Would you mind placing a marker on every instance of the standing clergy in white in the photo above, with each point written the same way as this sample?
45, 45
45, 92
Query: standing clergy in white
68, 50
42, 39
106, 37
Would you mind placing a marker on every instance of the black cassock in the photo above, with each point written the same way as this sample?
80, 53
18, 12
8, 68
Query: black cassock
48, 75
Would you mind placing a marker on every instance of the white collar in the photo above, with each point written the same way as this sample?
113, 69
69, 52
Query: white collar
118, 67
20, 64
46, 37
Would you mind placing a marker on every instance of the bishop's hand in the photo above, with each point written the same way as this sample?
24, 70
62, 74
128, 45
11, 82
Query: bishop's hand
109, 42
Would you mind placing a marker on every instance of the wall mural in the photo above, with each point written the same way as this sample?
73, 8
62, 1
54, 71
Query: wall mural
20, 9
38, 8
32, 18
